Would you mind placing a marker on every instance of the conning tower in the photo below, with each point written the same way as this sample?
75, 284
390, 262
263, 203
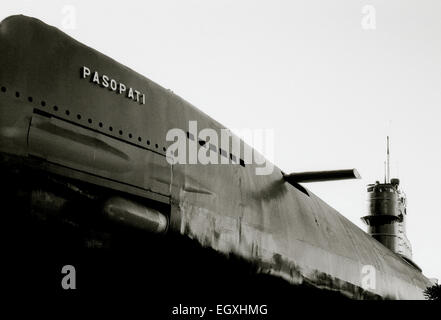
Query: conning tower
386, 216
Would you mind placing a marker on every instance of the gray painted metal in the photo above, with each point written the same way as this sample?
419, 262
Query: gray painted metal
134, 214
96, 135
386, 219
316, 176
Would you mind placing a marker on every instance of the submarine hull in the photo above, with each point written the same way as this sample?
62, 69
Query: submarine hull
60, 120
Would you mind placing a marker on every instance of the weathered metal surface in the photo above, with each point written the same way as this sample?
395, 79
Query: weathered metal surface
134, 214
89, 152
288, 232
386, 219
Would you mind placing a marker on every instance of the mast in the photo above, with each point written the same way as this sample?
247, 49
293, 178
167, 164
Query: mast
388, 162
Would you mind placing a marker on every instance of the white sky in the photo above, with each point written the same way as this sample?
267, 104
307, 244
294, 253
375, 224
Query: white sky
331, 90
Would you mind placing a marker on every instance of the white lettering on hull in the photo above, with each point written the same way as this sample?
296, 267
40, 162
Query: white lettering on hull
105, 81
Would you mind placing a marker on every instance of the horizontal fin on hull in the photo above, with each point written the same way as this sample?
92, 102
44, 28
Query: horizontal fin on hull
318, 176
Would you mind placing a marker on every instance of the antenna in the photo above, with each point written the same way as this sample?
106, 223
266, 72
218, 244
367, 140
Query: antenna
388, 162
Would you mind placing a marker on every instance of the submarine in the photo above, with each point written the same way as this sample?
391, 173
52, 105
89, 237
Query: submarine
97, 130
